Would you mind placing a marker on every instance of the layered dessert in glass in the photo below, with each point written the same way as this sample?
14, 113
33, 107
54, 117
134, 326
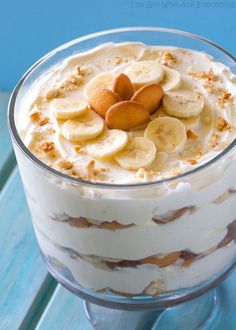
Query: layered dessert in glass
135, 125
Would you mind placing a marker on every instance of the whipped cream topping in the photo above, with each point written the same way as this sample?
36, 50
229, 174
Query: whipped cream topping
207, 133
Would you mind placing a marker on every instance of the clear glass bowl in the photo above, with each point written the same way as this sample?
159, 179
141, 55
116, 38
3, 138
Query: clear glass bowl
106, 266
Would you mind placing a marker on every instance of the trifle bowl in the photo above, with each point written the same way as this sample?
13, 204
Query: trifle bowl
125, 141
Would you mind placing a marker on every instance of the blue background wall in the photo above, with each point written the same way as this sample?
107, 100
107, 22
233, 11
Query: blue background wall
29, 29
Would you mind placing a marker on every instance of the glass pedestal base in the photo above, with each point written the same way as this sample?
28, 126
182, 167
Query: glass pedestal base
192, 315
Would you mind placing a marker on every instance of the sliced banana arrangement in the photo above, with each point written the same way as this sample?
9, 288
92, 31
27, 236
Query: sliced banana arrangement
183, 103
139, 152
108, 143
145, 72
67, 108
168, 134
147, 95
83, 128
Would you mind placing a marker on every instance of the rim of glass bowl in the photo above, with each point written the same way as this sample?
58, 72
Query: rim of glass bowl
50, 170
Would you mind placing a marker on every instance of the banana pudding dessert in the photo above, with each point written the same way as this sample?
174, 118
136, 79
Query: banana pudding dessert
136, 200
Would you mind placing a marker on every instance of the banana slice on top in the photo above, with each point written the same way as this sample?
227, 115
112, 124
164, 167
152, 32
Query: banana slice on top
83, 128
102, 80
168, 133
68, 108
139, 152
172, 79
145, 72
183, 103
108, 143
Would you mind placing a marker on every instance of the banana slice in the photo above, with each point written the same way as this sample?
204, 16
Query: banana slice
145, 72
168, 133
139, 152
207, 120
183, 103
172, 79
102, 80
67, 108
84, 128
108, 143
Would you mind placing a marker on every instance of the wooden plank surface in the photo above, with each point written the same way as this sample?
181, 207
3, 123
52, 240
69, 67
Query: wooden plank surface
64, 312
24, 280
7, 160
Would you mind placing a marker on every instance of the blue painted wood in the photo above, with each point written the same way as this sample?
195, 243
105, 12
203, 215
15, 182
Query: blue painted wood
23, 277
64, 312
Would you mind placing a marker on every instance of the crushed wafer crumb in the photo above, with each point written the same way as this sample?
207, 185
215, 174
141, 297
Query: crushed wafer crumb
204, 75
64, 164
191, 135
43, 121
225, 97
174, 172
194, 160
144, 174
167, 58
117, 60
198, 154
34, 114
222, 125
77, 149
73, 172
94, 171
78, 175
191, 161
221, 90
208, 85
54, 93
83, 70
104, 169
71, 83
91, 169
47, 146
194, 156
209, 76
214, 141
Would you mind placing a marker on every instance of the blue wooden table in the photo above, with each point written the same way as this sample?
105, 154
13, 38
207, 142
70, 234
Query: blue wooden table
29, 297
